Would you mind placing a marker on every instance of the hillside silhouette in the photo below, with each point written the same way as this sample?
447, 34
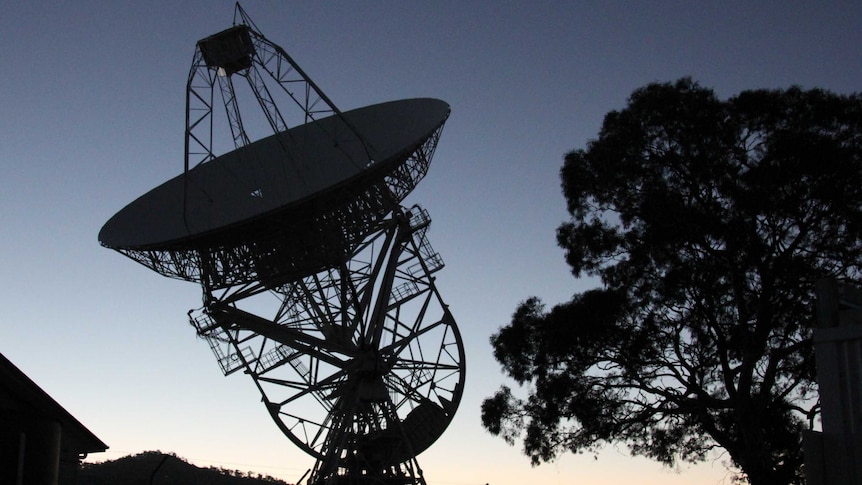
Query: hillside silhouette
155, 467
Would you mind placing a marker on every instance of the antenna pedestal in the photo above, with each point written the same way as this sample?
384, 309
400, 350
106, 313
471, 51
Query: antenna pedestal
361, 364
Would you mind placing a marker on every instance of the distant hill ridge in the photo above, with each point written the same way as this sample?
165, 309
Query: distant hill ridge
157, 468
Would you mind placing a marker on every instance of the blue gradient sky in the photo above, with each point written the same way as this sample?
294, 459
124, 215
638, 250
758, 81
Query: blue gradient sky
92, 116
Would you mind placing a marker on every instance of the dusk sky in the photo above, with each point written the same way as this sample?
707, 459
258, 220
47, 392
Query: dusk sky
92, 112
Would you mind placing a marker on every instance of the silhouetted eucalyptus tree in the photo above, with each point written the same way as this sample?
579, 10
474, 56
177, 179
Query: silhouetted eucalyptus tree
708, 222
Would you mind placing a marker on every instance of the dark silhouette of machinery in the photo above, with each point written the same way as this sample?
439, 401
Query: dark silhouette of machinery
317, 282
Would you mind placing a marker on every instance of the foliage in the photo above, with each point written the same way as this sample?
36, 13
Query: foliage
708, 223
154, 467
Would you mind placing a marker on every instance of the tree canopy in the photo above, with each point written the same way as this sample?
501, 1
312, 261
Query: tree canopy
708, 223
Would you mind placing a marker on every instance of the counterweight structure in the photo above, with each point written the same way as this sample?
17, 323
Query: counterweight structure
317, 282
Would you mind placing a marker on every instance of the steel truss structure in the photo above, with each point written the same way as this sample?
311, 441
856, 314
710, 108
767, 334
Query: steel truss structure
330, 307
342, 218
270, 248
360, 365
269, 72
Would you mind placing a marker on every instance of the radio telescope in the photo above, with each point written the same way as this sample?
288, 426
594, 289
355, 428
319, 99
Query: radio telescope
317, 282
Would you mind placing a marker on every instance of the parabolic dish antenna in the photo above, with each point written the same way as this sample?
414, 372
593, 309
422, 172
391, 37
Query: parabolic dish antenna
316, 281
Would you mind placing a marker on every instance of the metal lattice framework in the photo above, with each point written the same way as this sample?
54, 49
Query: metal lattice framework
361, 365
329, 304
267, 69
269, 249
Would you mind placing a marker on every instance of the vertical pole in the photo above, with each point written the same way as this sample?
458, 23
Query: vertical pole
835, 454
22, 455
